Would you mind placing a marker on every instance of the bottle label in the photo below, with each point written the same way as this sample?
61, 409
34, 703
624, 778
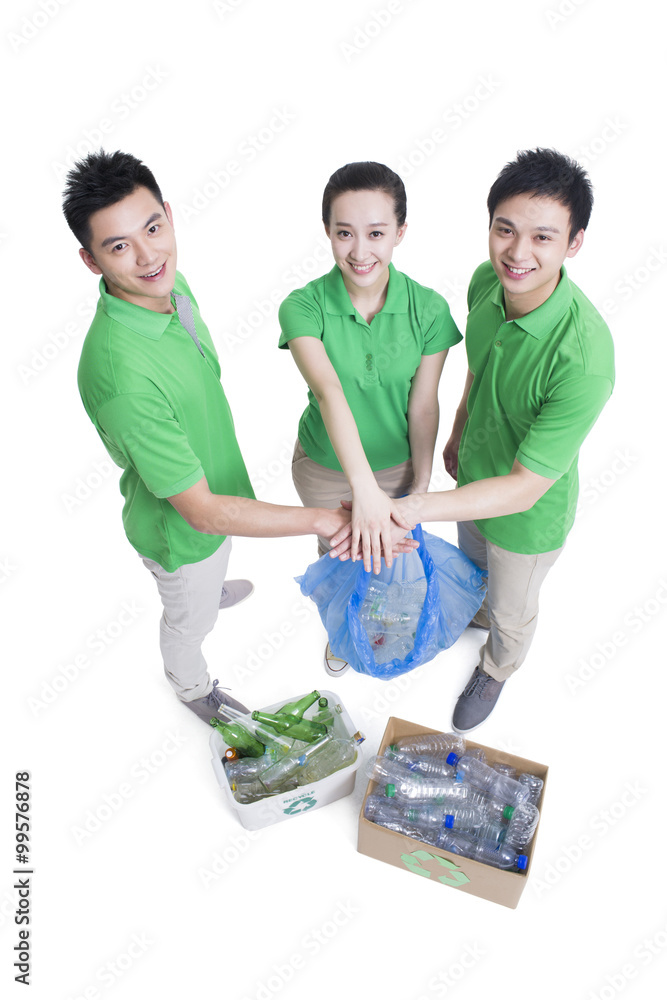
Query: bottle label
413, 862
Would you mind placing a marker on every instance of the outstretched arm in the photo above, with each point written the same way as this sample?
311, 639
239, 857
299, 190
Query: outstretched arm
519, 490
214, 514
372, 510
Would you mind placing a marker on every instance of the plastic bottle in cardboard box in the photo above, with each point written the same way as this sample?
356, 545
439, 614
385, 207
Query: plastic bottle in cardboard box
483, 777
522, 825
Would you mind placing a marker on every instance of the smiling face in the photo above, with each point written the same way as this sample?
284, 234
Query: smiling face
529, 241
363, 231
133, 246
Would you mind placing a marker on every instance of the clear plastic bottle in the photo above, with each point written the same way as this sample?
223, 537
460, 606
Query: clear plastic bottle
440, 791
387, 812
246, 768
395, 647
435, 744
483, 777
492, 830
337, 754
521, 827
291, 764
505, 769
384, 769
535, 786
488, 852
408, 784
467, 819
494, 809
253, 790
431, 764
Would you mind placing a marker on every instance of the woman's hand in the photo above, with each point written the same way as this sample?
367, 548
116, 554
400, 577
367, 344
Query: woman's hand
451, 453
376, 528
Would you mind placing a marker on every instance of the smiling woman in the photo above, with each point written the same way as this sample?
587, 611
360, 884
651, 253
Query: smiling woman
370, 343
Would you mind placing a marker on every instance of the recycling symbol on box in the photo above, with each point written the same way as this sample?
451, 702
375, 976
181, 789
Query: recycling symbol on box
413, 863
301, 805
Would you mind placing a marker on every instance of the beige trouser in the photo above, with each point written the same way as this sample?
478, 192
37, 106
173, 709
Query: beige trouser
191, 601
318, 486
510, 607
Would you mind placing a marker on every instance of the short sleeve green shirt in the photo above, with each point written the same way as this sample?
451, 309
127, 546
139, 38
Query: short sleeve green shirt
374, 361
162, 414
540, 383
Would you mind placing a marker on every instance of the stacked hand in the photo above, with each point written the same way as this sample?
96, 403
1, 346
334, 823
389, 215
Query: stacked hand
377, 529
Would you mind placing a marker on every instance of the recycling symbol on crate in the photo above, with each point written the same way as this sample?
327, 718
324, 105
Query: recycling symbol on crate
413, 862
301, 805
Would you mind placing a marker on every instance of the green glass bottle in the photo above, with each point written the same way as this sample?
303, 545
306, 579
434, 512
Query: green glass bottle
237, 736
295, 728
323, 713
297, 708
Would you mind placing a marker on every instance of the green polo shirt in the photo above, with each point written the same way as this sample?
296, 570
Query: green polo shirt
540, 383
159, 407
374, 361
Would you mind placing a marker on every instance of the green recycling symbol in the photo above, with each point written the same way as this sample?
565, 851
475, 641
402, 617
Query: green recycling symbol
300, 806
413, 863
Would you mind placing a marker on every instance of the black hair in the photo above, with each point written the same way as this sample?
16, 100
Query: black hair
365, 176
546, 173
100, 180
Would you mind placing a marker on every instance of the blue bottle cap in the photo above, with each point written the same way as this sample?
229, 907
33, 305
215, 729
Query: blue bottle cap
522, 862
449, 821
452, 758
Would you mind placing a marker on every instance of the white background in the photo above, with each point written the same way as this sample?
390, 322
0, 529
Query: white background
128, 910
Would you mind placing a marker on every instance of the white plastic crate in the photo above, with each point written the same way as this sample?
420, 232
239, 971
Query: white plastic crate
276, 808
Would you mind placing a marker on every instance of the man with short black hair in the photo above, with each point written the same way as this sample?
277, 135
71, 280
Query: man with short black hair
541, 368
149, 379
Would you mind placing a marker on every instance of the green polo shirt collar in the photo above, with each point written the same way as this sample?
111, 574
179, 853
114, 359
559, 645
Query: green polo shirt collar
542, 320
337, 301
140, 320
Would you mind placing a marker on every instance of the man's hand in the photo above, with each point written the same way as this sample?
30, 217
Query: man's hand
341, 542
451, 454
335, 522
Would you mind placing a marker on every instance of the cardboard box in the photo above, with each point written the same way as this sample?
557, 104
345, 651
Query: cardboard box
434, 864
276, 808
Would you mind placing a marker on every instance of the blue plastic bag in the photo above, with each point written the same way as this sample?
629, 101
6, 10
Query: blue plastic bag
455, 589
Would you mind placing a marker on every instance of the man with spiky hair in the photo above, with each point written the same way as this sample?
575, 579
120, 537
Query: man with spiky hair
541, 368
149, 379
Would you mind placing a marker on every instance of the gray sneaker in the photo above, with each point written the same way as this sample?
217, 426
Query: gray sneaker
213, 704
235, 592
476, 701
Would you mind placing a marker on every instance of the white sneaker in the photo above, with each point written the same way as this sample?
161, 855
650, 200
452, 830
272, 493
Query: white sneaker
333, 665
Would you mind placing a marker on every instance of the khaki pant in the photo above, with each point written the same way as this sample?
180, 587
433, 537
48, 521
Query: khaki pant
318, 486
510, 607
191, 602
